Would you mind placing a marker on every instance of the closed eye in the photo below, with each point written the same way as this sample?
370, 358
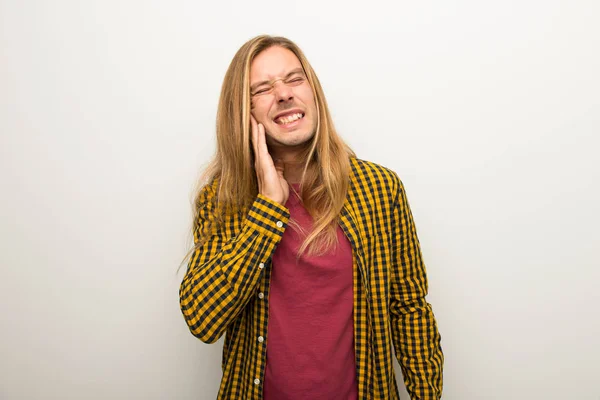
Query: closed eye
261, 91
295, 80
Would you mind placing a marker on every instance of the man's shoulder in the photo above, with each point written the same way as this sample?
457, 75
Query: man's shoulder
368, 172
207, 191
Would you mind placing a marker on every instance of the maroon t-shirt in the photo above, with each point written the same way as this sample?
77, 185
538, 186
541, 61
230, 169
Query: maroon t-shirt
310, 337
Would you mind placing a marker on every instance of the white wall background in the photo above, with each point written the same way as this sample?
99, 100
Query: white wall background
489, 112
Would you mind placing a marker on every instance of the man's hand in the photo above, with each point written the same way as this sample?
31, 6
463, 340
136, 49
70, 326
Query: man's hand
269, 174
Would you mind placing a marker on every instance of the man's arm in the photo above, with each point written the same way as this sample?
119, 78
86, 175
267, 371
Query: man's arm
414, 329
224, 272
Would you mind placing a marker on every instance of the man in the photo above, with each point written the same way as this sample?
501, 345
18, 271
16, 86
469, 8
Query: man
305, 256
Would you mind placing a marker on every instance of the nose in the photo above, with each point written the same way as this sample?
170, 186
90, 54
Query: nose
283, 93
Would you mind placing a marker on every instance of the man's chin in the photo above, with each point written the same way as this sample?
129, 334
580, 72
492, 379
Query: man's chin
288, 139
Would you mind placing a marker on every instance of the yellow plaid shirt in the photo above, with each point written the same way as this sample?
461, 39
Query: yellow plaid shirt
226, 289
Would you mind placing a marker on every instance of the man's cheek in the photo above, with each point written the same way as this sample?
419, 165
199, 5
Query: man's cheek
268, 138
259, 117
263, 121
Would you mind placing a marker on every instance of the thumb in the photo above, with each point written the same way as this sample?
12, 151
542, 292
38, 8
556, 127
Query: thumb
279, 166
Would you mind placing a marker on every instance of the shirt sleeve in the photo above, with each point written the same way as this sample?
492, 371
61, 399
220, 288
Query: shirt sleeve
225, 269
414, 329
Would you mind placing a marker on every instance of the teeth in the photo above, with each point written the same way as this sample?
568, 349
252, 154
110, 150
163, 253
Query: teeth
290, 118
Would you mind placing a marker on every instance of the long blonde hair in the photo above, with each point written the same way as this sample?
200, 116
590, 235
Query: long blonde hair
324, 182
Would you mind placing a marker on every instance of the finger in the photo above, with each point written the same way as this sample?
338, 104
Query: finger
254, 138
266, 161
253, 129
262, 143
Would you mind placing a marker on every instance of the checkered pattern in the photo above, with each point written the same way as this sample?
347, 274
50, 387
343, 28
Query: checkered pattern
219, 292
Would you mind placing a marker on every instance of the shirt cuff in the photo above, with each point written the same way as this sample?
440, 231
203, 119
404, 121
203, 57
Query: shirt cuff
268, 217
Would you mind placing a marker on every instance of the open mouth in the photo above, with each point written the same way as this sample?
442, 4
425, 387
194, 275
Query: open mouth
288, 119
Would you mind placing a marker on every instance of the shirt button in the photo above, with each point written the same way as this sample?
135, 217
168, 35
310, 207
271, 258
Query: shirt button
261, 295
257, 381
261, 339
261, 265
279, 224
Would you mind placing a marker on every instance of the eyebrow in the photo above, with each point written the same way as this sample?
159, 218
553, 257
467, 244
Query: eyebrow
292, 72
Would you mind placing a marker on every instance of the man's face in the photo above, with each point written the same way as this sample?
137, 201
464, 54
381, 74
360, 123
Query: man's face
282, 99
